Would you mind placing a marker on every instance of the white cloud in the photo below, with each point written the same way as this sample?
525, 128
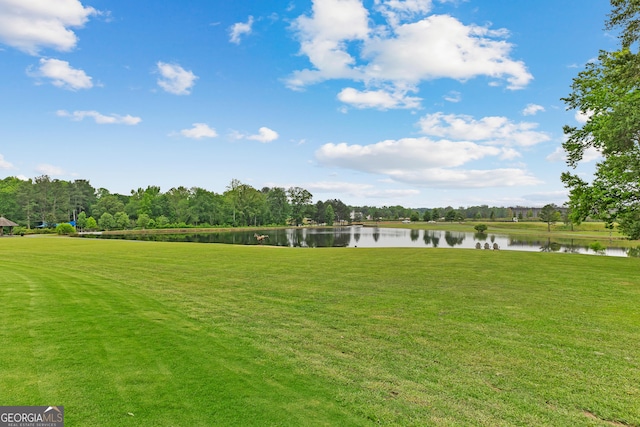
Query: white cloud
440, 46
31, 25
379, 99
62, 75
99, 118
46, 169
590, 154
453, 96
358, 190
175, 79
493, 130
424, 163
443, 163
340, 44
532, 109
456, 178
199, 131
323, 38
396, 11
264, 135
5, 164
389, 156
240, 29
582, 117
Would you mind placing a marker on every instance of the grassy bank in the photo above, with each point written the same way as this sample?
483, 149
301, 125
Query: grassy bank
168, 334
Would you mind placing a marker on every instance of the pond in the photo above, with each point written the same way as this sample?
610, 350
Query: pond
378, 237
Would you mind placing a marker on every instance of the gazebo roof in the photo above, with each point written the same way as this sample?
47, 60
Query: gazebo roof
4, 222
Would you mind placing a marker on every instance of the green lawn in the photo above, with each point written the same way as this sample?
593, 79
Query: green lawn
129, 333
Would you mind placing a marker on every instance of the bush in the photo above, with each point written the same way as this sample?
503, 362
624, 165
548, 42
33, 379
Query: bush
481, 228
65, 228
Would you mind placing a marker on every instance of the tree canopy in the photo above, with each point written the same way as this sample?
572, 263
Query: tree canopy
607, 92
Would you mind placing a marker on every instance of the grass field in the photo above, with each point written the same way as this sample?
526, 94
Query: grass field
129, 333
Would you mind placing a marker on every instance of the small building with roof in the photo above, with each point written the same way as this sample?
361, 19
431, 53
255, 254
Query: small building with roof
4, 222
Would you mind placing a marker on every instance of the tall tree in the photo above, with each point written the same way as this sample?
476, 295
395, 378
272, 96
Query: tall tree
329, 215
277, 205
608, 93
82, 196
550, 214
300, 200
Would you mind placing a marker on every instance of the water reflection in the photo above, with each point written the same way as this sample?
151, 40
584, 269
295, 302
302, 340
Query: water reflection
383, 237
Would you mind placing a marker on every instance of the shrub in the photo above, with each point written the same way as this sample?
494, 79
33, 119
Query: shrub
481, 228
65, 228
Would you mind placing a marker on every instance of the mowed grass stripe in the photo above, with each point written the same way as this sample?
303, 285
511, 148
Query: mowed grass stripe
189, 334
106, 349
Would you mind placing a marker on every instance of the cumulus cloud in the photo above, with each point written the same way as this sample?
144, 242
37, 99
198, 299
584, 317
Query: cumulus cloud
440, 46
99, 118
340, 43
590, 154
358, 190
396, 11
199, 131
444, 159
409, 153
264, 135
380, 99
61, 74
175, 79
458, 178
423, 162
33, 25
46, 169
323, 37
240, 29
532, 109
493, 130
5, 164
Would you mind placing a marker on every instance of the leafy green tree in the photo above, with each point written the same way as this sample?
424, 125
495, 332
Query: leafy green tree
481, 228
143, 221
320, 212
178, 201
415, 217
107, 203
450, 215
106, 221
121, 220
81, 221
341, 211
91, 223
278, 205
9, 206
550, 214
246, 202
300, 200
26, 200
426, 216
329, 215
607, 92
162, 222
81, 197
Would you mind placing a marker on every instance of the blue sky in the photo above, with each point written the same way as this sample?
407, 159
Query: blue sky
422, 103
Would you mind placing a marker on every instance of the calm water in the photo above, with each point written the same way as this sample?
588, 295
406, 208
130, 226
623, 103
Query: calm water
375, 237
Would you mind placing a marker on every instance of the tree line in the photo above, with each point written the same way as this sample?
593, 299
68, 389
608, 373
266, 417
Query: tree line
45, 202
